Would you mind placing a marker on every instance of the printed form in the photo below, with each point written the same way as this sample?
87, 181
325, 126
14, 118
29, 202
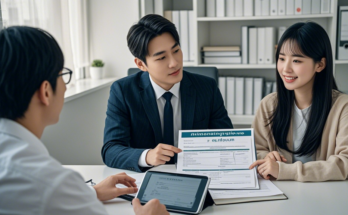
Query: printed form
223, 155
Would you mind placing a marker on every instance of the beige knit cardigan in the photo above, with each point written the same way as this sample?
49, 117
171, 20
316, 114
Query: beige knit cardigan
331, 161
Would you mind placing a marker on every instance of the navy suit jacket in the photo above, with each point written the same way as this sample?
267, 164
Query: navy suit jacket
132, 119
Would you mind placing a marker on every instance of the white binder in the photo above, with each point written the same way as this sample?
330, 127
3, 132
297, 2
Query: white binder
261, 45
315, 7
306, 7
258, 93
265, 7
184, 34
270, 43
222, 87
239, 96
248, 7
176, 20
248, 101
290, 7
245, 44
325, 6
258, 7
192, 40
230, 95
281, 7
281, 31
342, 39
298, 7
230, 8
211, 8
274, 7
238, 8
158, 7
220, 8
252, 45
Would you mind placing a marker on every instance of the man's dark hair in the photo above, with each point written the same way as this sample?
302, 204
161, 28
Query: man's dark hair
148, 27
28, 56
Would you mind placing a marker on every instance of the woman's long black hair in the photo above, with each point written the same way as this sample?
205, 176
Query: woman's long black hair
311, 40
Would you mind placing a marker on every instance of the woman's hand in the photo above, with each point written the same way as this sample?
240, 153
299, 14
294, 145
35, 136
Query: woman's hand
267, 167
274, 155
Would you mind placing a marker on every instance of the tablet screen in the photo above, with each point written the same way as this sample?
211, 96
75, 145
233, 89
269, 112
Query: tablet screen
176, 191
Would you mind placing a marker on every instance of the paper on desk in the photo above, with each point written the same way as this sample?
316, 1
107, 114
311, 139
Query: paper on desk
223, 155
267, 188
138, 180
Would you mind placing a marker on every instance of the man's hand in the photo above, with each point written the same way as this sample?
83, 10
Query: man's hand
274, 155
107, 189
161, 154
266, 168
153, 207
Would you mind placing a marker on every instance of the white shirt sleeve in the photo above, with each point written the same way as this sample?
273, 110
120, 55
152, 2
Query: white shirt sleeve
70, 195
142, 159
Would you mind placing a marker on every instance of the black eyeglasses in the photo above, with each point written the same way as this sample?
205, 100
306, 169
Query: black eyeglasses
66, 78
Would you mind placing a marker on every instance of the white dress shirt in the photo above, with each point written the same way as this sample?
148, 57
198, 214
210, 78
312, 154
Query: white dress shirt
32, 182
176, 104
300, 121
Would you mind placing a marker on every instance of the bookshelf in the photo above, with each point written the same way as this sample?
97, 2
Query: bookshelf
226, 31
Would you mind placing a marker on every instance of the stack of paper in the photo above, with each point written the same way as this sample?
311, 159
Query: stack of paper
267, 191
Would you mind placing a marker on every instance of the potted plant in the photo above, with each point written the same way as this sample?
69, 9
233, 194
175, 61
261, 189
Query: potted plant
96, 69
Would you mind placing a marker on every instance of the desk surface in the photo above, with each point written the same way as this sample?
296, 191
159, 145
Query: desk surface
304, 198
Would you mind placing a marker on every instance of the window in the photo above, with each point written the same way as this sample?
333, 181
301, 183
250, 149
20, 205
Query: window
65, 20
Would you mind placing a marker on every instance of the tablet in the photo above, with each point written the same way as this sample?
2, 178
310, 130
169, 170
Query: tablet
178, 192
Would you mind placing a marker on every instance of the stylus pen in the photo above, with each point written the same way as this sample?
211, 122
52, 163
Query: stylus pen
126, 197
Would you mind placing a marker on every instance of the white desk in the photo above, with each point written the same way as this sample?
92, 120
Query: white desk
304, 198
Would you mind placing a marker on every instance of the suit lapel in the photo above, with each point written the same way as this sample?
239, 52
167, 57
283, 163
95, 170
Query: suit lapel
188, 102
148, 100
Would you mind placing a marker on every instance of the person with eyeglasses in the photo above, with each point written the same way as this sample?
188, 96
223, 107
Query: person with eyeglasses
32, 86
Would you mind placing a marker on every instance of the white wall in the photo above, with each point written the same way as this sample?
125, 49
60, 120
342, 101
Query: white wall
109, 22
77, 138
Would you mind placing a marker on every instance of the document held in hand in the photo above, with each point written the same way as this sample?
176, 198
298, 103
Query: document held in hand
223, 155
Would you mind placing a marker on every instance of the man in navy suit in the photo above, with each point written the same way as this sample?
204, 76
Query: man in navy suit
146, 110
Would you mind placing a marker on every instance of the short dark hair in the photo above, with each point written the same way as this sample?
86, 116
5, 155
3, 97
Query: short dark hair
311, 40
28, 56
148, 27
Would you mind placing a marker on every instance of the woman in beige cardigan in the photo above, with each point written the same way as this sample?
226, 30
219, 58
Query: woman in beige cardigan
301, 131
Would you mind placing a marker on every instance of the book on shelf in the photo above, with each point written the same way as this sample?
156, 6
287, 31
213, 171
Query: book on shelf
274, 7
325, 6
258, 93
248, 98
221, 54
184, 34
290, 7
230, 95
265, 7
248, 7
221, 48
238, 8
315, 7
222, 87
306, 7
210, 8
239, 97
220, 8
252, 46
281, 7
222, 60
245, 44
229, 8
298, 7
